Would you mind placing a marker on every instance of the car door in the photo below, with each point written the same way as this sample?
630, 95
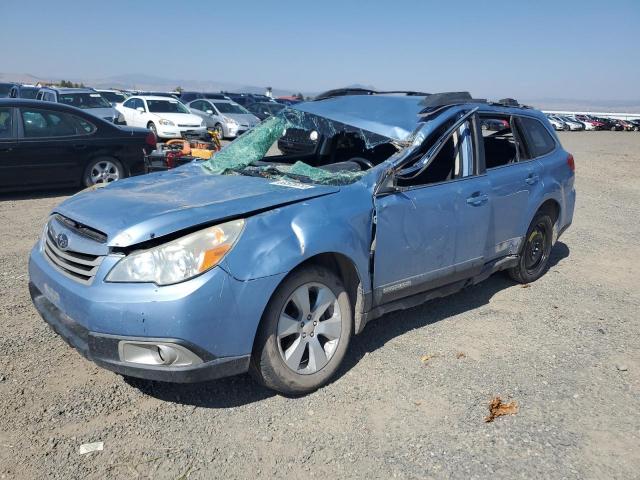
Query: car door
513, 180
199, 108
139, 113
431, 229
9, 172
52, 147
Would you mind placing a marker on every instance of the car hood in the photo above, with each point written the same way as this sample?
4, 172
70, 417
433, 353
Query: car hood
180, 118
151, 206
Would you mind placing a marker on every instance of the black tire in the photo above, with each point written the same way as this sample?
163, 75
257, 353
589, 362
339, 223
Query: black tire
218, 128
151, 126
267, 364
89, 175
534, 256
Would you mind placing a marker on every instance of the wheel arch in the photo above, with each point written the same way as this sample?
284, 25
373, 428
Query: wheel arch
346, 269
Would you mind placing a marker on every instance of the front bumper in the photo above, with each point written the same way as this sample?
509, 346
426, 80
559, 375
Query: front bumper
103, 349
213, 315
178, 132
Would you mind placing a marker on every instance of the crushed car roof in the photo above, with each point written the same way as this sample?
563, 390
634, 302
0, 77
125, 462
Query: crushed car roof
391, 116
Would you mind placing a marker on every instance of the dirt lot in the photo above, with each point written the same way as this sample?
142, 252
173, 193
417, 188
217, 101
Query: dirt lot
566, 349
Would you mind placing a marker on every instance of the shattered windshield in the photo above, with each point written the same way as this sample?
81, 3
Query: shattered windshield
303, 147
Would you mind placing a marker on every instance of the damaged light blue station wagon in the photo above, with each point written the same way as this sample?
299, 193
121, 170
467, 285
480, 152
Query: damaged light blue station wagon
268, 257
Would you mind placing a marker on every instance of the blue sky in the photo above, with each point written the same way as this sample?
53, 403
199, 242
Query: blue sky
542, 49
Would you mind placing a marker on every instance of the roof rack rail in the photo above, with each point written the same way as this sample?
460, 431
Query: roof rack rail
339, 92
438, 101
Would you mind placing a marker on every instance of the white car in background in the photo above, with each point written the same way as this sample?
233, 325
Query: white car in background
164, 116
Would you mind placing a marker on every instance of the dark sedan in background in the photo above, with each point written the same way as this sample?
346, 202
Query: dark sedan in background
44, 144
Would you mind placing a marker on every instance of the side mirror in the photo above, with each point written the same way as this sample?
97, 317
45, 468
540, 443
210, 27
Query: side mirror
140, 109
209, 112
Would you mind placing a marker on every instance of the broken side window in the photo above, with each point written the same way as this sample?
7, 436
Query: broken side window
303, 147
502, 145
452, 160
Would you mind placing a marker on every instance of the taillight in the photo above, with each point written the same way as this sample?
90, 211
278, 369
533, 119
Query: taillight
571, 163
150, 139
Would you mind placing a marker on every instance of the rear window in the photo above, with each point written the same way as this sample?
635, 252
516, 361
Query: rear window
538, 138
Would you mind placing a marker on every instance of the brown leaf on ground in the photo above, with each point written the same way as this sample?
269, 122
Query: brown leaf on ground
526, 285
497, 409
425, 358
460, 355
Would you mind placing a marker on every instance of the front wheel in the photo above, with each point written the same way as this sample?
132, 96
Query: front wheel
536, 250
151, 126
304, 332
219, 130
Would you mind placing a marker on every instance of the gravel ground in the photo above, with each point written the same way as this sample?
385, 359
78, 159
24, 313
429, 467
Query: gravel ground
566, 349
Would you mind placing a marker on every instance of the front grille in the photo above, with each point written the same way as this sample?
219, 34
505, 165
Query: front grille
81, 229
78, 266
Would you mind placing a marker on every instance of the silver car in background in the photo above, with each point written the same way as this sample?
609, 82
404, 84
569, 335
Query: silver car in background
228, 118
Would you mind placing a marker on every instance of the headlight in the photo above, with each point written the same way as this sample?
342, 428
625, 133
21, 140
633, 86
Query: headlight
180, 259
230, 120
168, 123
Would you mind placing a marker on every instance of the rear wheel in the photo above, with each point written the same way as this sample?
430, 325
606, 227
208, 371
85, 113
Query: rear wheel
534, 256
103, 170
304, 333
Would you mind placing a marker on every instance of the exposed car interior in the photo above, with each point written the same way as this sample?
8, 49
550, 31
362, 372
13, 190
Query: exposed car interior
448, 163
501, 146
343, 151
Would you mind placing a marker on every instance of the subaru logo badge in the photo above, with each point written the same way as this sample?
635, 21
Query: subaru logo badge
62, 241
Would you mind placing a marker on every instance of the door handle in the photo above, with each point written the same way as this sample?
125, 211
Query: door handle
477, 199
532, 179
80, 146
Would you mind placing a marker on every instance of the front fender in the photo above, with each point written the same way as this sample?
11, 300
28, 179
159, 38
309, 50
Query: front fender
276, 241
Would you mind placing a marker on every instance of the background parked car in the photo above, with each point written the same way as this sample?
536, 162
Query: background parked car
231, 117
494, 124
573, 124
114, 97
166, 117
264, 110
186, 97
245, 99
556, 123
28, 92
636, 124
8, 90
52, 144
84, 98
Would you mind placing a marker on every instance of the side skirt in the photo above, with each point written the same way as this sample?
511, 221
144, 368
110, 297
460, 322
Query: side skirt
442, 291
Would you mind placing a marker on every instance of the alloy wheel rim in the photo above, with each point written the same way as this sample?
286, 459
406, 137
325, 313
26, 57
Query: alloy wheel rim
309, 328
104, 172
